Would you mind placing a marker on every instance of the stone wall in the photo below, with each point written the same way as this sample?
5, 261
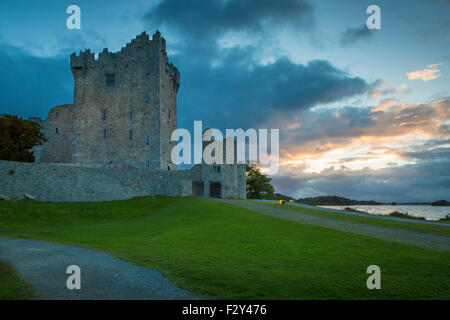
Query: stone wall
66, 183
76, 182
58, 129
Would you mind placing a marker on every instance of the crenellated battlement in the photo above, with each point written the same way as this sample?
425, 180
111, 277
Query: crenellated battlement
142, 43
84, 60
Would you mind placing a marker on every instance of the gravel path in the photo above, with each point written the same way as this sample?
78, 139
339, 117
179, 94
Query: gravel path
392, 234
44, 265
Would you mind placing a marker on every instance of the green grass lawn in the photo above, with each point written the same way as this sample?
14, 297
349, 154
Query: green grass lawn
413, 226
221, 251
12, 286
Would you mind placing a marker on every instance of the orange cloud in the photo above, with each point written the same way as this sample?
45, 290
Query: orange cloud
384, 136
430, 73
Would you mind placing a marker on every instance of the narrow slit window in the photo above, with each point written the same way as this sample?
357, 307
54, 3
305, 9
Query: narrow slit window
130, 135
147, 140
104, 133
56, 131
104, 114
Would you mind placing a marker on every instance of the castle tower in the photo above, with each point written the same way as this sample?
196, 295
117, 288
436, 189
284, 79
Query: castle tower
125, 105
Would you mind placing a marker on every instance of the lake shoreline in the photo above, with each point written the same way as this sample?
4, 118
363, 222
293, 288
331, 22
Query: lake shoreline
422, 212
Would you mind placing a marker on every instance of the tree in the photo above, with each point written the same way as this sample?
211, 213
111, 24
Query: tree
258, 184
18, 137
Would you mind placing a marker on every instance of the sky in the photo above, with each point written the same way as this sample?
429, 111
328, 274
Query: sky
363, 114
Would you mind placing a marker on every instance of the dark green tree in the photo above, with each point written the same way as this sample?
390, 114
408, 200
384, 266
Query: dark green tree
18, 137
258, 184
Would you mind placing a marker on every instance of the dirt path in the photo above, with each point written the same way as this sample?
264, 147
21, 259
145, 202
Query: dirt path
392, 234
44, 265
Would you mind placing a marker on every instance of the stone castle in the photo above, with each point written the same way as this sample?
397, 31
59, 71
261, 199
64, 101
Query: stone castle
117, 131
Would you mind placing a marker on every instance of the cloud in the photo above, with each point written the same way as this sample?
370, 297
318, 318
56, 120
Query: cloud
424, 181
226, 78
430, 73
31, 86
322, 131
382, 88
354, 35
397, 153
201, 19
241, 93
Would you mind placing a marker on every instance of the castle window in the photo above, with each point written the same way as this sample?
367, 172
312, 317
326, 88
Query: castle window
110, 80
56, 130
130, 135
147, 141
147, 98
104, 114
148, 164
130, 115
169, 114
104, 133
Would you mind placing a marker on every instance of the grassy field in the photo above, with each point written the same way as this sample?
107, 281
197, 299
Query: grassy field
12, 286
419, 227
221, 251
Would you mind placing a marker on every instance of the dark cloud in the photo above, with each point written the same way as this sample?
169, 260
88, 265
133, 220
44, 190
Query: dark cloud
31, 86
204, 18
430, 154
229, 87
354, 35
425, 181
238, 93
335, 126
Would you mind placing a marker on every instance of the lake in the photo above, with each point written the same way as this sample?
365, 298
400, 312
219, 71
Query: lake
423, 211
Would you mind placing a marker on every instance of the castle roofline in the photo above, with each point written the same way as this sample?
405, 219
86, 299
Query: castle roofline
139, 40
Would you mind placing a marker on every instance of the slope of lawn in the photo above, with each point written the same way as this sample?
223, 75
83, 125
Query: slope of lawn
218, 250
12, 286
412, 226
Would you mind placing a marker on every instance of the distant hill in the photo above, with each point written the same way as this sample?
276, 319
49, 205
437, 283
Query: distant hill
440, 203
341, 201
414, 203
279, 196
334, 201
